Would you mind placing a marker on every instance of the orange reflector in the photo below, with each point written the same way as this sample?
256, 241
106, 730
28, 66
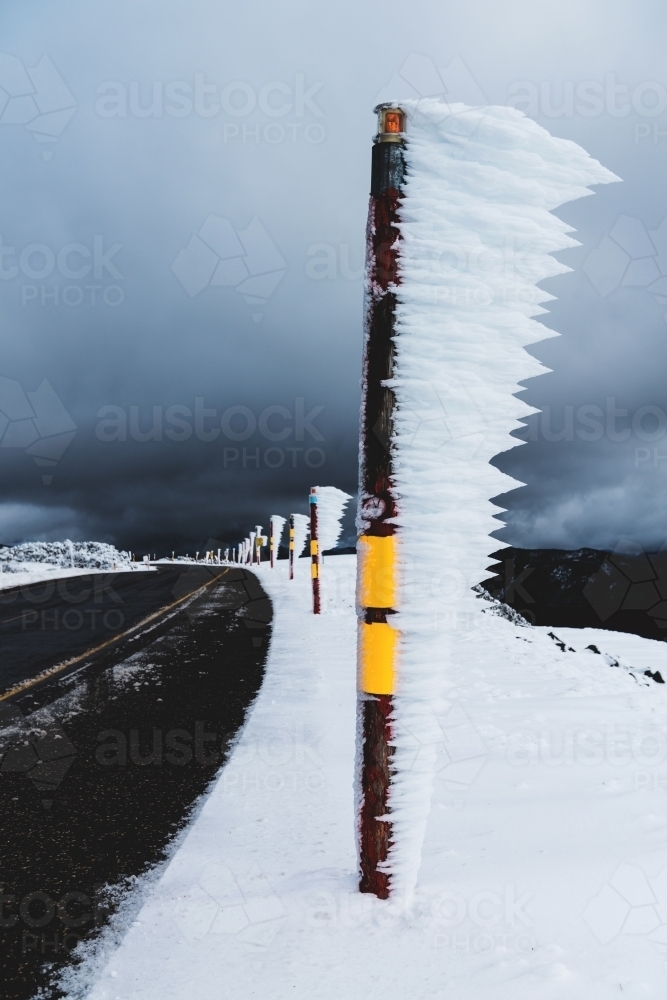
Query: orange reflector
378, 647
377, 571
393, 121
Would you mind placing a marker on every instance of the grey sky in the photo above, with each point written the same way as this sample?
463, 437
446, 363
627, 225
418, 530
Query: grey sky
186, 115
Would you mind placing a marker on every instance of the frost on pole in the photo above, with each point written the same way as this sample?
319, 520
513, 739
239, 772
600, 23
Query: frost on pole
475, 235
301, 523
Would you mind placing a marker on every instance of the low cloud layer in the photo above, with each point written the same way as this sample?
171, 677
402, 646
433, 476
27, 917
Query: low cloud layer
184, 201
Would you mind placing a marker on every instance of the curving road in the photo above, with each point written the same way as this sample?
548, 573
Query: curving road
107, 738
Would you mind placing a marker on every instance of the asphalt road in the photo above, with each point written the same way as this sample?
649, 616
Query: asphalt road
103, 761
44, 624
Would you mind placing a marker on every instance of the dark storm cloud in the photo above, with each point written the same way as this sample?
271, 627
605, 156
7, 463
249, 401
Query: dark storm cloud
193, 230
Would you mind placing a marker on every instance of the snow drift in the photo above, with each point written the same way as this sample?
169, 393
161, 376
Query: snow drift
477, 235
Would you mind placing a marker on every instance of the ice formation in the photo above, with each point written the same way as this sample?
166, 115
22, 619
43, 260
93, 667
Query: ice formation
477, 235
331, 504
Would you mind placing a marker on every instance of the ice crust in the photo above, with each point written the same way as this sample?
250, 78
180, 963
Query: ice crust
477, 235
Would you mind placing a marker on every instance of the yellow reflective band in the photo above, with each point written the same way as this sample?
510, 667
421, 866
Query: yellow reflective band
313, 570
313, 547
291, 544
378, 653
377, 571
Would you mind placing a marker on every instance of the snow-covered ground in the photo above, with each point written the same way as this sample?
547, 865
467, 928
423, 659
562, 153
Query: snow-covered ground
544, 867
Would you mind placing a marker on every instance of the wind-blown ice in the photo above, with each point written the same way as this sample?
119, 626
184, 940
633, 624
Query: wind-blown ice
301, 529
278, 523
477, 235
331, 504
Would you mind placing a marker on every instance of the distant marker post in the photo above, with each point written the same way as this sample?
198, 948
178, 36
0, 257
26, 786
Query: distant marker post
314, 550
291, 546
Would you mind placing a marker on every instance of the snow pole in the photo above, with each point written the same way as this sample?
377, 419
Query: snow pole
291, 546
376, 586
314, 550
275, 534
259, 541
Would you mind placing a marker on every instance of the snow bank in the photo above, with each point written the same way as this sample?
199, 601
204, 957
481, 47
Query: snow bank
544, 870
331, 504
477, 236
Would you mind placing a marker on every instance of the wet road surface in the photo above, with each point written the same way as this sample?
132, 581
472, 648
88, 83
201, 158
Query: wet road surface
44, 624
103, 762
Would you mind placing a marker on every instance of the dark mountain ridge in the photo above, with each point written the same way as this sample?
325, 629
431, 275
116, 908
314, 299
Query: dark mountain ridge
586, 588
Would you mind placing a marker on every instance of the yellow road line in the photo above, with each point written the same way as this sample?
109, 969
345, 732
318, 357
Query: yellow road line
8, 620
38, 678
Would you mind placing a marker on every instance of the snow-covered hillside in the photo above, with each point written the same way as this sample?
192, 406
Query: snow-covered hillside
70, 555
32, 562
544, 864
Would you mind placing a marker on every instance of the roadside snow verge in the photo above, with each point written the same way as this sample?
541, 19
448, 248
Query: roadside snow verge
544, 869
